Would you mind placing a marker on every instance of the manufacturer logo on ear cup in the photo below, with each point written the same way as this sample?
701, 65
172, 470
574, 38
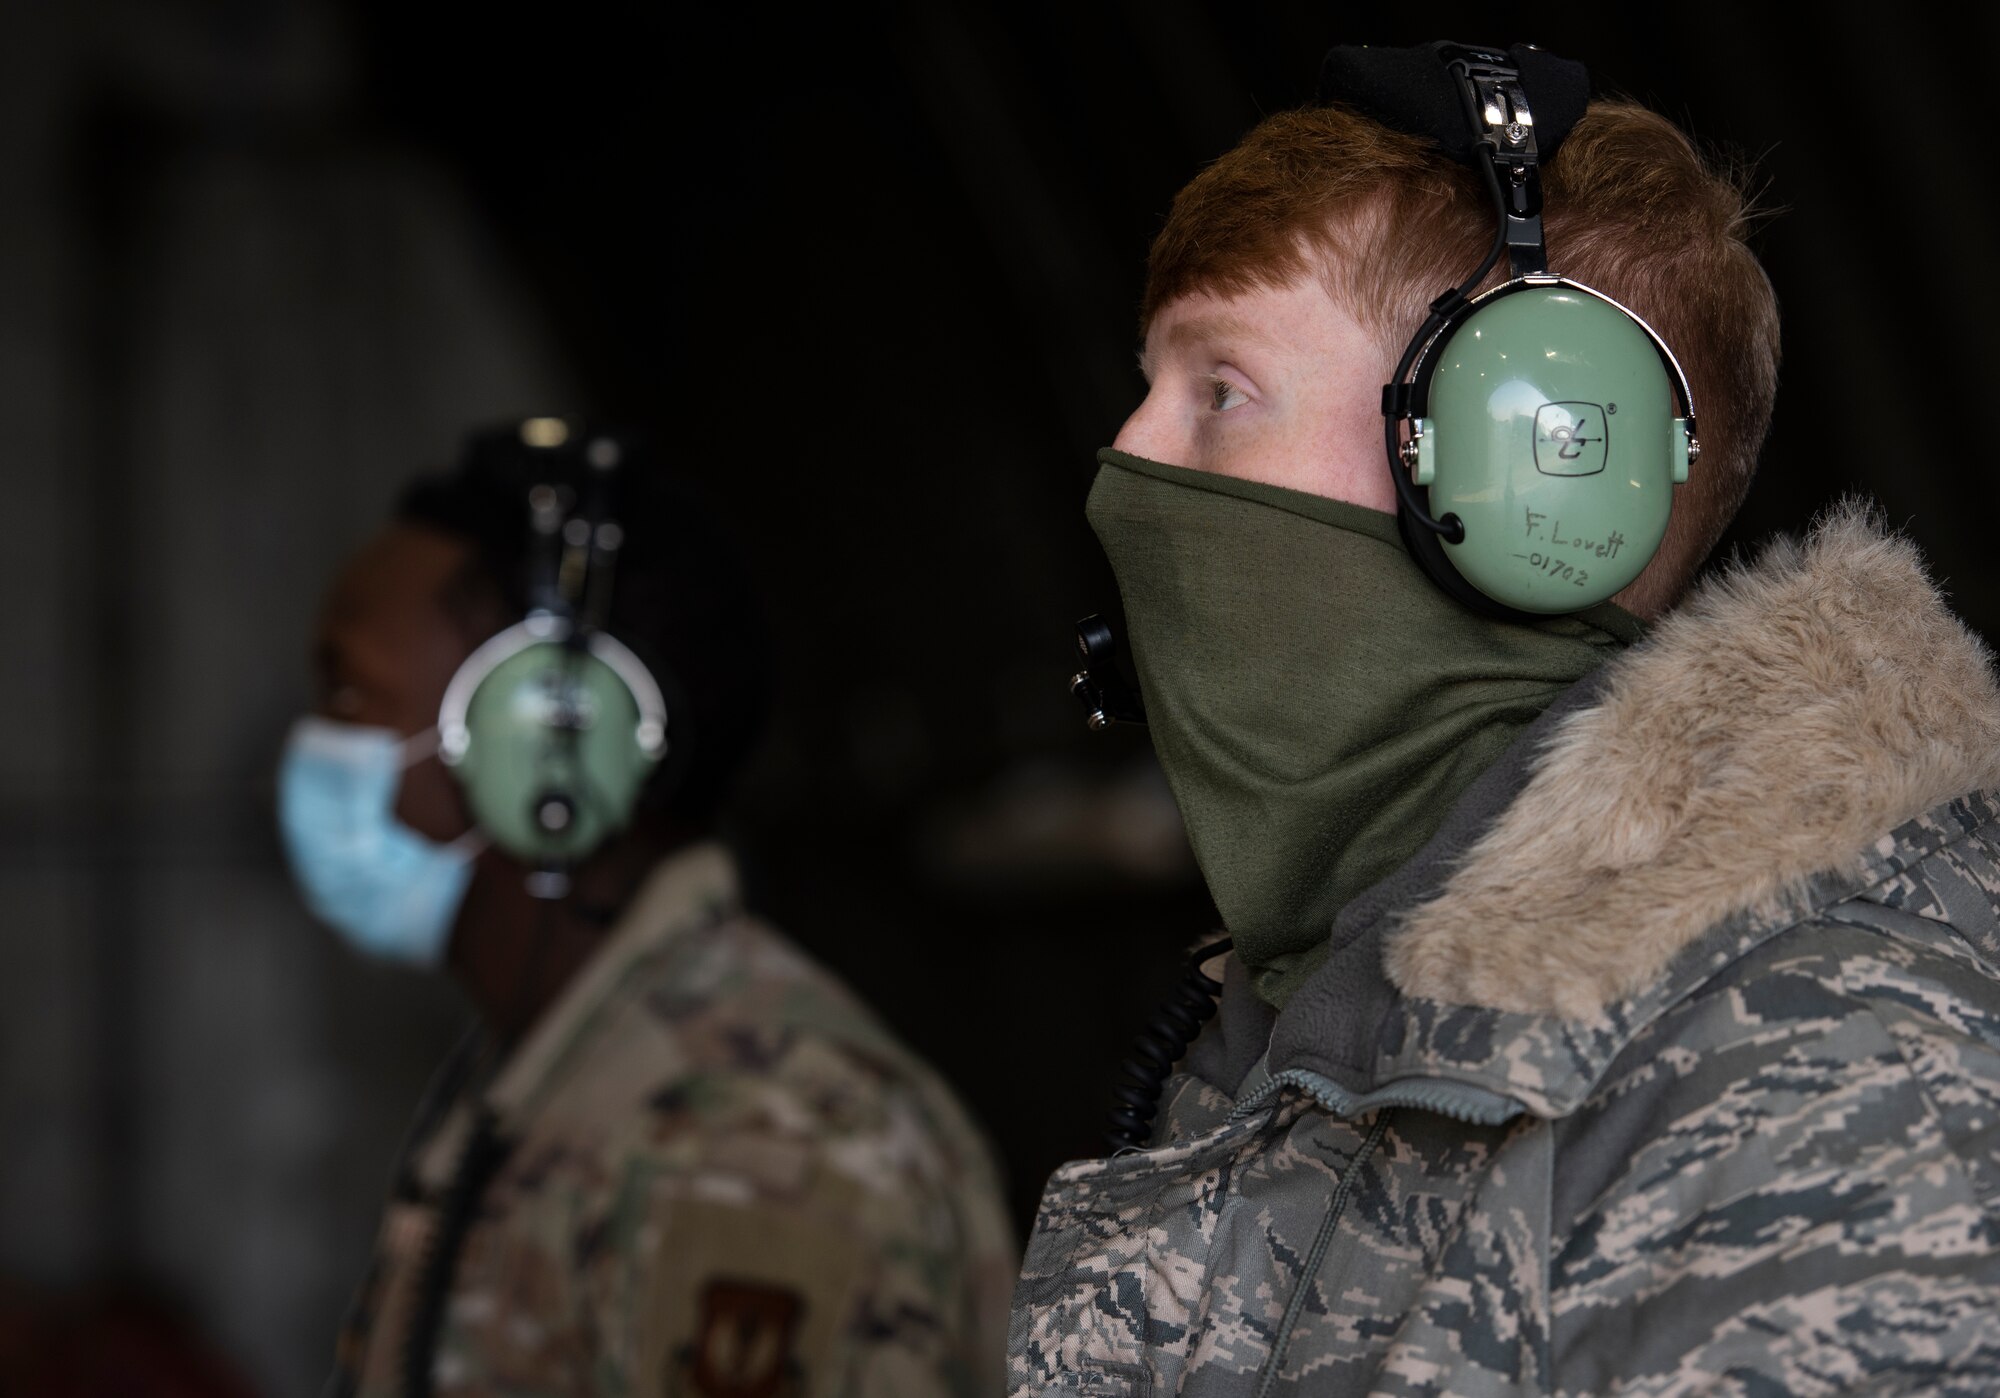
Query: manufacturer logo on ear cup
558, 703
1571, 439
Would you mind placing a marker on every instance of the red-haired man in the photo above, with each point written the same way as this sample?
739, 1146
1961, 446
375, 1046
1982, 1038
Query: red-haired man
1615, 993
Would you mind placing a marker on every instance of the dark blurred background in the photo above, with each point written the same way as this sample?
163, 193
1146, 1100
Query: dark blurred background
873, 273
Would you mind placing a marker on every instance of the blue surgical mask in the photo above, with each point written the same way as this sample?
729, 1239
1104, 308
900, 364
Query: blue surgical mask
387, 890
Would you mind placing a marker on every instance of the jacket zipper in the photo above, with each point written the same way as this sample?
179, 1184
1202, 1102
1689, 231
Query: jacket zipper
1321, 1242
1459, 1101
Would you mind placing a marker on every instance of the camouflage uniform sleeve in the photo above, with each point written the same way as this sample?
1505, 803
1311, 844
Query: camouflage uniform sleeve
1787, 1185
803, 1250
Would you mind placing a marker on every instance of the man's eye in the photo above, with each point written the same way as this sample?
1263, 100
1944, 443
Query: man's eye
1224, 395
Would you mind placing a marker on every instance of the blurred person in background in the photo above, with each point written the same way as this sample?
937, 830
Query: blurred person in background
675, 1156
1612, 993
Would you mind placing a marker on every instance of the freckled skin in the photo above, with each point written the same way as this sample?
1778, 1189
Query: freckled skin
385, 649
1309, 378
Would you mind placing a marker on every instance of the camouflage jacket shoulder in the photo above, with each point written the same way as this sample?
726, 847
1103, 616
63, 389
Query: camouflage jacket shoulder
1686, 1071
720, 1175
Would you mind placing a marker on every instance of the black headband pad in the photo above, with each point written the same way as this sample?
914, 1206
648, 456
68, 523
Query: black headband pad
1411, 90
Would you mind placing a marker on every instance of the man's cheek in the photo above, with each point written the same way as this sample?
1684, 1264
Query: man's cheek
429, 802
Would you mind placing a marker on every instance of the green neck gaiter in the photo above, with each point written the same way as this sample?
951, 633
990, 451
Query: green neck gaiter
1317, 702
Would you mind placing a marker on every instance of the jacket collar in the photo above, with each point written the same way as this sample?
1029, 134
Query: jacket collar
1707, 789
692, 888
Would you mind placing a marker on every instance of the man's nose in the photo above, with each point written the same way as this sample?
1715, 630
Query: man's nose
1146, 432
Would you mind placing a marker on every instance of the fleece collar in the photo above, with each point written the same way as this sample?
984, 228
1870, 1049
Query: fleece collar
1767, 751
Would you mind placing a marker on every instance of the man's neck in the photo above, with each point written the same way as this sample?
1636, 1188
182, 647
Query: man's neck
513, 953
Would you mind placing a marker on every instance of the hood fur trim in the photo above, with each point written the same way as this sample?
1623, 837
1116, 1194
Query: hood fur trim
1780, 721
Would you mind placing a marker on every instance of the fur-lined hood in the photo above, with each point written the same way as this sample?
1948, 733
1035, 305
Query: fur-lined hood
1770, 729
1724, 926
1765, 752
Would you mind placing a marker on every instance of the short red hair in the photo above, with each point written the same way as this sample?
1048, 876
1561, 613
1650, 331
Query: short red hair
1386, 221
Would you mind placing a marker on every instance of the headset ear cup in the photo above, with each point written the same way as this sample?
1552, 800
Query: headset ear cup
549, 741
1555, 423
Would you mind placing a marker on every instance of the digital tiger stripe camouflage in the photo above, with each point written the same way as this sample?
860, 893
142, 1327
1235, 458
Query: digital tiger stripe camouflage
1770, 1164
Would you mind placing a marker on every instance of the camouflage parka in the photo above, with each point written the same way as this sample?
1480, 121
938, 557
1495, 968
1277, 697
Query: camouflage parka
1670, 1066
718, 1176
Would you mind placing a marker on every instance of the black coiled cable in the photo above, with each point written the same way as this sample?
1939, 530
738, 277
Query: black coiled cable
1159, 1046
485, 1151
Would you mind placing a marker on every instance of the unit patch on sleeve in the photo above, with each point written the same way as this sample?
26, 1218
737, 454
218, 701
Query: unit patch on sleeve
743, 1344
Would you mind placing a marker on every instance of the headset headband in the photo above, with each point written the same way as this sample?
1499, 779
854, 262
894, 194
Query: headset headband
1497, 111
1415, 91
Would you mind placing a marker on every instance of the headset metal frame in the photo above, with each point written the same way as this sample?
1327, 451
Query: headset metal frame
455, 737
1419, 380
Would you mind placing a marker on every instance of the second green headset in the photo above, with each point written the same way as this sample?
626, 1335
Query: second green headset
553, 726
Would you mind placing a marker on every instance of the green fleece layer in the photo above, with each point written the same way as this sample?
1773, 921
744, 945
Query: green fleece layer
1316, 702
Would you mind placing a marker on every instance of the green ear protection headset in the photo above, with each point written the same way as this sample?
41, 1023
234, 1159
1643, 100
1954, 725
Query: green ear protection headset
1535, 432
553, 726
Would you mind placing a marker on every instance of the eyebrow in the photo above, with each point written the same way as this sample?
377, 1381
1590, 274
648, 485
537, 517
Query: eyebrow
1220, 325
